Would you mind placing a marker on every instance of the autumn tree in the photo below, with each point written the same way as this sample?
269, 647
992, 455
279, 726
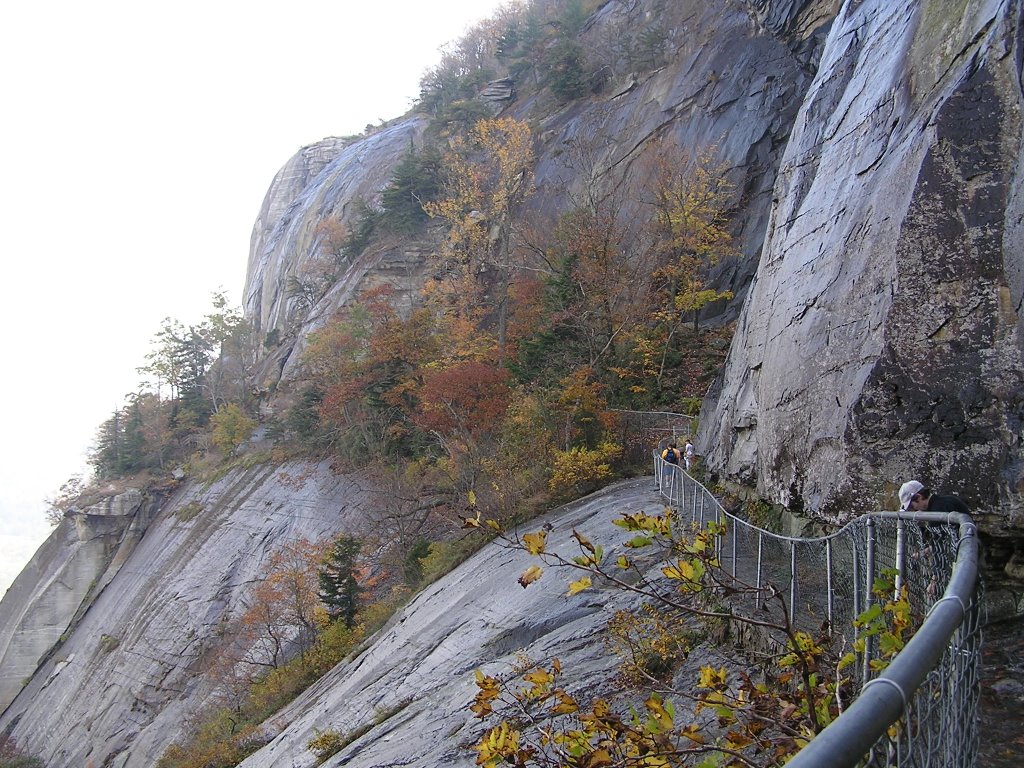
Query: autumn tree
596, 268
409, 508
147, 426
618, 290
282, 616
460, 406
607, 282
366, 364
463, 401
519, 465
761, 715
584, 457
231, 427
692, 199
489, 174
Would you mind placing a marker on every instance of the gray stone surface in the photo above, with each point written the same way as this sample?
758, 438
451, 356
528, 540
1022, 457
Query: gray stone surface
83, 552
477, 616
129, 675
727, 82
880, 340
325, 181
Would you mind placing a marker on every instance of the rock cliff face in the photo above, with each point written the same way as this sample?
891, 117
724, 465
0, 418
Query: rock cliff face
881, 338
411, 688
733, 79
81, 556
127, 677
877, 146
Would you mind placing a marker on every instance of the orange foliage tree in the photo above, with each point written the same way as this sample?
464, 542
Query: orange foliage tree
367, 362
490, 173
283, 613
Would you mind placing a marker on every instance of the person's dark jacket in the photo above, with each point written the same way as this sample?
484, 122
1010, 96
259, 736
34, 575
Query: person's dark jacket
937, 503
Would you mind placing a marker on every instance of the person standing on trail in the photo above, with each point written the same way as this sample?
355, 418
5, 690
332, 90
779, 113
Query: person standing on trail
670, 455
688, 454
916, 497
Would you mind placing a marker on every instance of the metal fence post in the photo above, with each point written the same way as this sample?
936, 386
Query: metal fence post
760, 550
900, 556
869, 578
735, 531
828, 582
792, 581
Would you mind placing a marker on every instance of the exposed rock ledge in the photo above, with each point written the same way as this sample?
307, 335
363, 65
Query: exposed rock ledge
81, 556
127, 676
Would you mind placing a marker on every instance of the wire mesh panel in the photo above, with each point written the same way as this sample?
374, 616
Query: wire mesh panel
638, 431
821, 585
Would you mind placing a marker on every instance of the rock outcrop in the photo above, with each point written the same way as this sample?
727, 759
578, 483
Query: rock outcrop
877, 146
409, 691
727, 82
127, 677
881, 338
327, 182
80, 557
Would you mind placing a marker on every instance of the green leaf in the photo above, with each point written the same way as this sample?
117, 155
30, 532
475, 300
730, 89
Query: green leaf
640, 541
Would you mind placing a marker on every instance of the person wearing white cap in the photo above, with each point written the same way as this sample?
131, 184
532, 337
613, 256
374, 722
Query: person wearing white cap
917, 497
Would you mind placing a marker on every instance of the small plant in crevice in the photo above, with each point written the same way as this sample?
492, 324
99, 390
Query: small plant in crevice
326, 744
189, 511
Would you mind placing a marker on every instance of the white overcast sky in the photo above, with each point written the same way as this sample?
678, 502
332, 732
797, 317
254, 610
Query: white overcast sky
138, 141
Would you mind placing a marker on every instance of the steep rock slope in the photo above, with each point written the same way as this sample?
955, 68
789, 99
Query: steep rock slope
734, 77
410, 689
326, 181
128, 677
881, 338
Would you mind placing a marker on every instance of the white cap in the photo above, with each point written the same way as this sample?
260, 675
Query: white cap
907, 491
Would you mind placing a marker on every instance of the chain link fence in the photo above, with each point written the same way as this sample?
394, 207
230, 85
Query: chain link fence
921, 711
638, 431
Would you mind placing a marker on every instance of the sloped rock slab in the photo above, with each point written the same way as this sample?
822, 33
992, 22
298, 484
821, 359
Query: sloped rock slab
412, 686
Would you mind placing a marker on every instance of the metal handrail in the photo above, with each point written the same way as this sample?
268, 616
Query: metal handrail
883, 699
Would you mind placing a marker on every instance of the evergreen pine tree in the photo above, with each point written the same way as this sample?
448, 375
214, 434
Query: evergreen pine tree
339, 588
134, 439
107, 457
415, 180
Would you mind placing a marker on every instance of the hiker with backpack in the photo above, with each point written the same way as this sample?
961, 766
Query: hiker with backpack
671, 456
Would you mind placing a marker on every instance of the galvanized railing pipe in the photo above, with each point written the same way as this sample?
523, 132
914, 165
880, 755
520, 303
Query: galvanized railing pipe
883, 700
862, 734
